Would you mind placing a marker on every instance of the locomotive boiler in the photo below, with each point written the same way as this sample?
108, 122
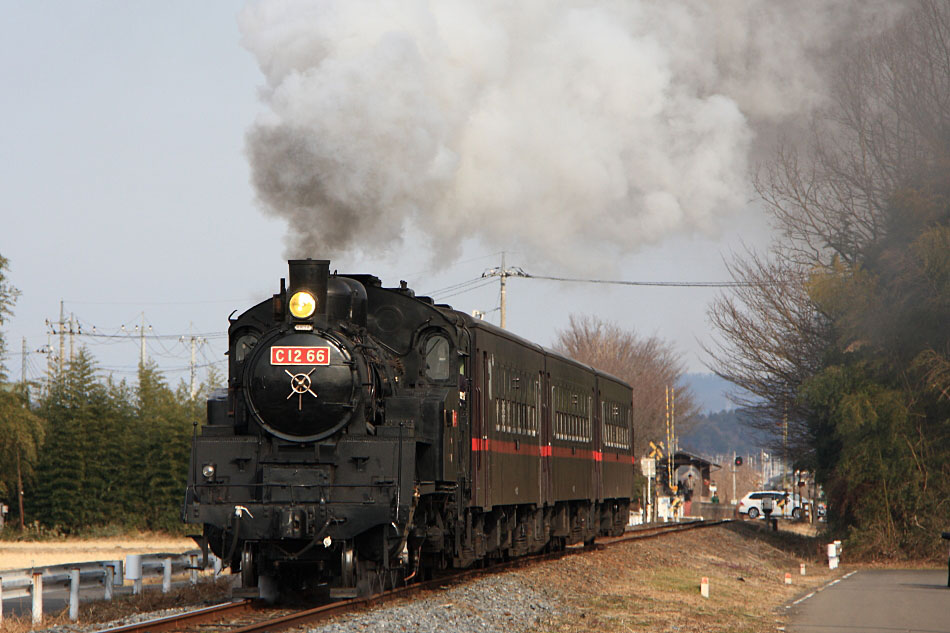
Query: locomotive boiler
369, 436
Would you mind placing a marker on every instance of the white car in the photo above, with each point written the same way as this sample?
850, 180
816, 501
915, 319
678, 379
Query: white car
784, 504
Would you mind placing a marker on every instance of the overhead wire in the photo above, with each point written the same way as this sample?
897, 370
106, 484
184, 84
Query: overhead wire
486, 282
453, 287
660, 284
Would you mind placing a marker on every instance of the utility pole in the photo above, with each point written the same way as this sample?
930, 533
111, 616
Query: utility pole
194, 387
504, 273
23, 364
72, 337
785, 448
62, 336
673, 418
670, 439
49, 359
195, 340
733, 477
142, 354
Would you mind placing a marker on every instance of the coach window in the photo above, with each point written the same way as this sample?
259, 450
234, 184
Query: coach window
437, 358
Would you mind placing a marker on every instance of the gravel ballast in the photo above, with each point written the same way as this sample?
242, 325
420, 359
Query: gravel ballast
502, 603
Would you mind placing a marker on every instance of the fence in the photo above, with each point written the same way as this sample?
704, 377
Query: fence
108, 574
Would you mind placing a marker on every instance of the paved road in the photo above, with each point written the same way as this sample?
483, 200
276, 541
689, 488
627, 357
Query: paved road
877, 601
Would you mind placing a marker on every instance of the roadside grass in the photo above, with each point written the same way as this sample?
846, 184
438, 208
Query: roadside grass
653, 586
37, 533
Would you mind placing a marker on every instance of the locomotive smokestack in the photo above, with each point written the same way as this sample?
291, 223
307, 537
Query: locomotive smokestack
312, 276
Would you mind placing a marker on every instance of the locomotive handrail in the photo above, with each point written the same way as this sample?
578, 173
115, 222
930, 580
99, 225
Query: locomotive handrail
381, 484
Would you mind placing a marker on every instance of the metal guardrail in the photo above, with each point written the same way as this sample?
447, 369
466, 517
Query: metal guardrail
108, 574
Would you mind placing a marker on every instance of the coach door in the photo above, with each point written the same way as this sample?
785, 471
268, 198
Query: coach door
594, 411
480, 456
544, 410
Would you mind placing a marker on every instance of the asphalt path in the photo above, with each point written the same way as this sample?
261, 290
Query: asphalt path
876, 601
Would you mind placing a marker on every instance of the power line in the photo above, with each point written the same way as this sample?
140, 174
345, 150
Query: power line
163, 303
663, 284
454, 265
463, 291
457, 286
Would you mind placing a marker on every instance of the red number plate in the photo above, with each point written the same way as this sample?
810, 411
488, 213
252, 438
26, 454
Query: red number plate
300, 356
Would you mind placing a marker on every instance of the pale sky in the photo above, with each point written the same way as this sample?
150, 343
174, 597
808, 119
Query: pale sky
125, 189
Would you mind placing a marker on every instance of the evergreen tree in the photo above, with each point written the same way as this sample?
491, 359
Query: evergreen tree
8, 296
163, 432
21, 436
106, 462
60, 497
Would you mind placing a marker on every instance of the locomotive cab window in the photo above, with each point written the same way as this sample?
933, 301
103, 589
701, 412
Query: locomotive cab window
438, 365
243, 346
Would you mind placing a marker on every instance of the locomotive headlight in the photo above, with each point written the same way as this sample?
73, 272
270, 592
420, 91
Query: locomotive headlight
302, 304
207, 471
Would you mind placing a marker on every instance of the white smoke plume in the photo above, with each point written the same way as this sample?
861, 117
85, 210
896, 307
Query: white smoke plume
567, 128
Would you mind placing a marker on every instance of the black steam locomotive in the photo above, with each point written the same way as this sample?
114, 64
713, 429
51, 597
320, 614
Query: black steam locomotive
369, 436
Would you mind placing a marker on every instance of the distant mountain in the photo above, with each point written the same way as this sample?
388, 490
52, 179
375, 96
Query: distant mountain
719, 429
710, 391
721, 433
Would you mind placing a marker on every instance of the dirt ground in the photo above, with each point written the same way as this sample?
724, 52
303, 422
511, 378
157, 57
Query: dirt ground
20, 555
653, 586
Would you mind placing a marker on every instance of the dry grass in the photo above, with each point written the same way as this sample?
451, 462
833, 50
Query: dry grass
204, 593
23, 554
652, 586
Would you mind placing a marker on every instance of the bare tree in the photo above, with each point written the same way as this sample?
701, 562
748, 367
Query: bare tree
650, 365
771, 338
886, 132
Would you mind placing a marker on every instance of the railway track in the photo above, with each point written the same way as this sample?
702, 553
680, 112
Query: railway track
249, 616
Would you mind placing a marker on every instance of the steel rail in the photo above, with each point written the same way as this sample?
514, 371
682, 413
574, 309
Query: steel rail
189, 618
326, 611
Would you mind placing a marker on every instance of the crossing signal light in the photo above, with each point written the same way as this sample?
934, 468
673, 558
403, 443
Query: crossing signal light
738, 461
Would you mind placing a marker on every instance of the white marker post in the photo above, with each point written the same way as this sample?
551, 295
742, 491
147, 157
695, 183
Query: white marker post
74, 594
788, 578
704, 587
166, 575
832, 556
109, 581
193, 563
802, 568
1, 600
37, 592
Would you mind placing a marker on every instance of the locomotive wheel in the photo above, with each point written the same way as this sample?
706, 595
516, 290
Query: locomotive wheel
248, 566
358, 573
348, 565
